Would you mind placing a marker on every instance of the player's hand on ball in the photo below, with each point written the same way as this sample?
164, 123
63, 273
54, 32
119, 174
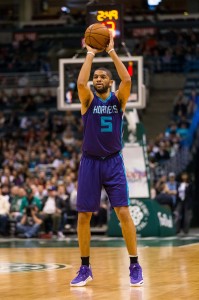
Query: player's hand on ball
111, 43
91, 49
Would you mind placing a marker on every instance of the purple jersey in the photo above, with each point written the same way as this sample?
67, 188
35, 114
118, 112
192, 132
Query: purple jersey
103, 127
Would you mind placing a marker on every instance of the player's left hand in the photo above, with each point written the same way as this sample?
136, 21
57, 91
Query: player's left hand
111, 43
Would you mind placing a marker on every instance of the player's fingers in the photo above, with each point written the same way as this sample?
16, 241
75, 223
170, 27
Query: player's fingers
111, 34
83, 43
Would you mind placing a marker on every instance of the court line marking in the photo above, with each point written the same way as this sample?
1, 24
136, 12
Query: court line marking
49, 267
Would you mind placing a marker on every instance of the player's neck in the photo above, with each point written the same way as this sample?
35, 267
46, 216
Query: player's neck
103, 96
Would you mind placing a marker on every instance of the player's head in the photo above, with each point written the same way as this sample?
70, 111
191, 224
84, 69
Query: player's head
102, 80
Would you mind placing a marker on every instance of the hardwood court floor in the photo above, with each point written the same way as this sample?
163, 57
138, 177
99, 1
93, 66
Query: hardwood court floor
170, 273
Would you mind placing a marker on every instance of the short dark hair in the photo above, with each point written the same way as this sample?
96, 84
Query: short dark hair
107, 72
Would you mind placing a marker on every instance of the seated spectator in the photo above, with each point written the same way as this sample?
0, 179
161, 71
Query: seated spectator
5, 190
4, 214
41, 191
183, 130
53, 207
172, 128
73, 207
16, 195
73, 198
162, 153
158, 186
181, 96
30, 222
66, 211
2, 120
164, 198
30, 199
15, 203
171, 186
23, 80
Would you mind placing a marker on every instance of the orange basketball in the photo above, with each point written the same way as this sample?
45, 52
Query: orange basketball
97, 36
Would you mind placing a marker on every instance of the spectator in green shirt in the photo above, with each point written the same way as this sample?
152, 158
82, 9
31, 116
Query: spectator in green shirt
30, 199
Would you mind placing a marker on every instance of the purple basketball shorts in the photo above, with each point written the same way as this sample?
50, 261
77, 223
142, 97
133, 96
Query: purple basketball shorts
96, 173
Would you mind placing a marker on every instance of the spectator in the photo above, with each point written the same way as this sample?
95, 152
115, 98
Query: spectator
30, 199
15, 203
180, 96
30, 223
41, 191
4, 214
179, 109
53, 208
183, 211
73, 197
23, 80
194, 97
182, 130
2, 120
164, 198
73, 203
171, 187
162, 153
66, 211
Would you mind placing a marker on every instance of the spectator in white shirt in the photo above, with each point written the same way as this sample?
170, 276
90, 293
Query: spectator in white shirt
4, 213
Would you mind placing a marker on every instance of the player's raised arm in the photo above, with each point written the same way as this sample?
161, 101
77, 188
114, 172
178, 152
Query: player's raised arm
85, 94
123, 92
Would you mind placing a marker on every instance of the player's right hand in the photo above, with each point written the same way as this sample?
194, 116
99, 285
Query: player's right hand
91, 49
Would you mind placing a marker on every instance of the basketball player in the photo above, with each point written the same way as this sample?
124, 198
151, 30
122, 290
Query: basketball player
102, 163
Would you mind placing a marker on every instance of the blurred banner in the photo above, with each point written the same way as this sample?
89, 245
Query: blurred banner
135, 165
150, 219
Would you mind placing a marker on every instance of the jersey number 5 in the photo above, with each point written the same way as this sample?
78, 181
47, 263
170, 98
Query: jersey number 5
106, 124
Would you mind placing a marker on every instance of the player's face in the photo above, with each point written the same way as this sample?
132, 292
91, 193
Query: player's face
101, 81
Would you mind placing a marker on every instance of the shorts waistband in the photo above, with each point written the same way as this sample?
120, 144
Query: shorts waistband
101, 157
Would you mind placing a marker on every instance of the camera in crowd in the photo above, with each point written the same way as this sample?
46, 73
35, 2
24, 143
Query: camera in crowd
29, 210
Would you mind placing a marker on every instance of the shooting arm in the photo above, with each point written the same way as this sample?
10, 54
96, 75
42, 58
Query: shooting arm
125, 85
85, 94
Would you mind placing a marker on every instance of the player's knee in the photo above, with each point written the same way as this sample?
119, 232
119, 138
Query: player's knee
123, 214
84, 217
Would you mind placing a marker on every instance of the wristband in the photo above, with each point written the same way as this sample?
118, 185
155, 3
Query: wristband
89, 52
110, 51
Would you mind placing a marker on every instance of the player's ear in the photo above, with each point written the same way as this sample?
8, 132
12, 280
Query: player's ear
110, 83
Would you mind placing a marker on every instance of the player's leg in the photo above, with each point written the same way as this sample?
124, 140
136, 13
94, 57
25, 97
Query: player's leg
129, 234
84, 234
116, 187
128, 229
88, 201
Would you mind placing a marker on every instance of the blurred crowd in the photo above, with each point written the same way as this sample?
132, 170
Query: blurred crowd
172, 190
168, 143
39, 160
171, 50
176, 193
168, 50
40, 155
25, 56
